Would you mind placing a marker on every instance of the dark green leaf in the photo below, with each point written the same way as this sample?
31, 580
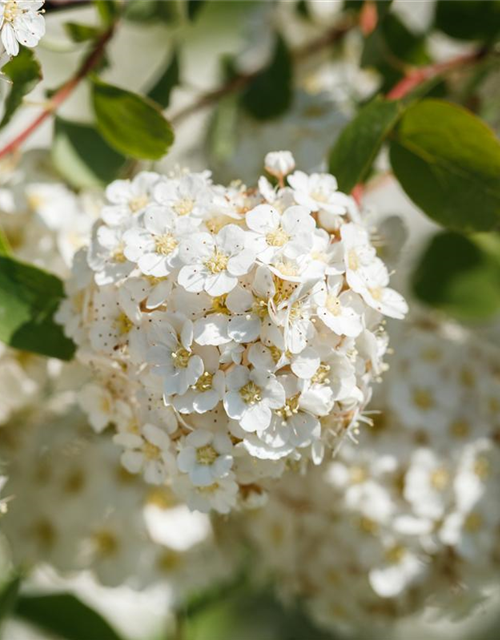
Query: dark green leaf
448, 162
82, 32
82, 156
65, 616
108, 11
193, 8
161, 90
469, 19
269, 94
130, 123
25, 72
5, 249
359, 143
8, 597
29, 297
457, 275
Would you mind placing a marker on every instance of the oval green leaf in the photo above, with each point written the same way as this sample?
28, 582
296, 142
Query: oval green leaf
456, 274
130, 123
448, 162
64, 616
29, 298
359, 143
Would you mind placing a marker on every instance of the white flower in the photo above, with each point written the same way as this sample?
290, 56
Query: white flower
128, 198
318, 192
206, 457
213, 263
189, 195
341, 312
220, 495
172, 357
106, 257
428, 484
20, 22
155, 248
147, 452
290, 233
251, 396
204, 395
279, 163
99, 403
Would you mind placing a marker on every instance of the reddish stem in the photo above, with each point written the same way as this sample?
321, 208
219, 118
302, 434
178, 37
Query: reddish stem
63, 93
418, 76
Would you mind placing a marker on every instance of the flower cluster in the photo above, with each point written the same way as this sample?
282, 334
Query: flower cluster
21, 22
231, 331
408, 518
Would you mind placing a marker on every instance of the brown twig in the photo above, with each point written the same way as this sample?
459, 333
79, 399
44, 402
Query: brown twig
62, 94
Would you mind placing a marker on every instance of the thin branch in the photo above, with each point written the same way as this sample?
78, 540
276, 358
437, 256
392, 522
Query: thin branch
417, 77
62, 94
242, 80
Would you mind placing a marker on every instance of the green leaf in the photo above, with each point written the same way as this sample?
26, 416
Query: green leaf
108, 11
25, 72
65, 616
161, 90
29, 297
82, 156
9, 596
5, 249
458, 275
193, 8
468, 19
82, 32
359, 143
448, 162
130, 123
148, 11
269, 94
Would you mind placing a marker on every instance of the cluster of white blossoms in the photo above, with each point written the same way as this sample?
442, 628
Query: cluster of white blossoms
21, 22
231, 331
408, 518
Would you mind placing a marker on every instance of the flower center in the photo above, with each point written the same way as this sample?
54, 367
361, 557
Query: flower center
423, 399
287, 269
11, 11
251, 393
275, 353
165, 244
204, 382
482, 468
352, 260
290, 408
219, 305
259, 308
473, 522
296, 311
395, 554
440, 479
151, 451
123, 324
321, 375
105, 542
319, 195
459, 428
376, 293
333, 305
118, 255
277, 238
206, 455
217, 262
137, 203
181, 357
184, 206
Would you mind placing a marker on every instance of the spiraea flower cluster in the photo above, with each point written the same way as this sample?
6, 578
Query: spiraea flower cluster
232, 332
408, 518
